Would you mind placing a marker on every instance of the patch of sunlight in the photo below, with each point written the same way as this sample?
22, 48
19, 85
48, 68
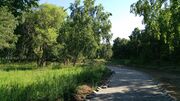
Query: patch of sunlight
149, 86
120, 89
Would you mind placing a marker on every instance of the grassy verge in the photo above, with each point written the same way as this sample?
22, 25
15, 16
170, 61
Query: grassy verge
47, 84
163, 66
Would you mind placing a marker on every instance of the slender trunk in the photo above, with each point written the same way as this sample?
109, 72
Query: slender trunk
39, 63
75, 60
42, 60
65, 61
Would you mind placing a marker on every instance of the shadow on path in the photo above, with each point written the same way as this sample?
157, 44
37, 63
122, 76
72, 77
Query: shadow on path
130, 85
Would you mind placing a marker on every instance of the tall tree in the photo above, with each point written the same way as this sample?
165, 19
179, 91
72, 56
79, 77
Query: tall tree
84, 29
120, 48
47, 22
175, 9
7, 25
105, 51
159, 41
135, 41
26, 31
156, 18
18, 9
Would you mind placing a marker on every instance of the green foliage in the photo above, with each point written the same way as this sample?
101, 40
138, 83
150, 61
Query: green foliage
26, 31
17, 7
46, 33
47, 22
7, 25
47, 84
105, 51
17, 66
159, 41
82, 33
120, 48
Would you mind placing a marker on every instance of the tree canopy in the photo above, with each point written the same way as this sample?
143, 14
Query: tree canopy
47, 22
8, 24
47, 32
17, 7
84, 29
159, 41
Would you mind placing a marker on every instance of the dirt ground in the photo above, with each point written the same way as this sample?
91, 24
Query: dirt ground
130, 85
168, 80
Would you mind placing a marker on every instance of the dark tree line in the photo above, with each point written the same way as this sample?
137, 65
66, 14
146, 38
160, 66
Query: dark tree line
33, 32
160, 40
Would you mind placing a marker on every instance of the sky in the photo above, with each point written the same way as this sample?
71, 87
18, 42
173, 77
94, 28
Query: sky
123, 22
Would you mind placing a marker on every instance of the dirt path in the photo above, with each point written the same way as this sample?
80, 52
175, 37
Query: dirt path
130, 85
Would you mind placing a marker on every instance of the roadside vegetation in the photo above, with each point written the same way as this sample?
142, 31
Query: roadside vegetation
47, 53
48, 84
47, 33
158, 43
156, 48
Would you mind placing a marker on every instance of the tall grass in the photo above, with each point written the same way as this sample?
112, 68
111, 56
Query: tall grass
47, 84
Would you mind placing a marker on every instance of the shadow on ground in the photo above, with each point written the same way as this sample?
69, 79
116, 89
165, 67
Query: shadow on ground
130, 85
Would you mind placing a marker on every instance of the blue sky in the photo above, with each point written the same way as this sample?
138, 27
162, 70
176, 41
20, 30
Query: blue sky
123, 22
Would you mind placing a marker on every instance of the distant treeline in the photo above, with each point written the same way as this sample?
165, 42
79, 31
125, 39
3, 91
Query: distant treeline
29, 31
160, 40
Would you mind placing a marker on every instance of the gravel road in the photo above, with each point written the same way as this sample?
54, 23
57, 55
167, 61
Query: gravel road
130, 85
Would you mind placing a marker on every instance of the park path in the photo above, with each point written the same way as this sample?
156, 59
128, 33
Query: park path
130, 85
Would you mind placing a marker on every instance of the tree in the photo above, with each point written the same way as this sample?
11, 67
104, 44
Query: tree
175, 22
159, 41
151, 11
135, 42
17, 7
105, 51
47, 22
7, 25
120, 48
45, 33
102, 25
80, 41
83, 30
25, 43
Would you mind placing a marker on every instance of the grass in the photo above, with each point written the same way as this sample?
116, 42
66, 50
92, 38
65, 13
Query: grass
163, 66
17, 66
46, 84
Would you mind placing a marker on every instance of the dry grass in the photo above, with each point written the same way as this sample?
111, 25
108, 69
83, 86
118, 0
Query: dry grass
82, 91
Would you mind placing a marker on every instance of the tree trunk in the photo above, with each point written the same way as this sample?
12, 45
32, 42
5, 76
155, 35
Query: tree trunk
75, 60
42, 60
66, 61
